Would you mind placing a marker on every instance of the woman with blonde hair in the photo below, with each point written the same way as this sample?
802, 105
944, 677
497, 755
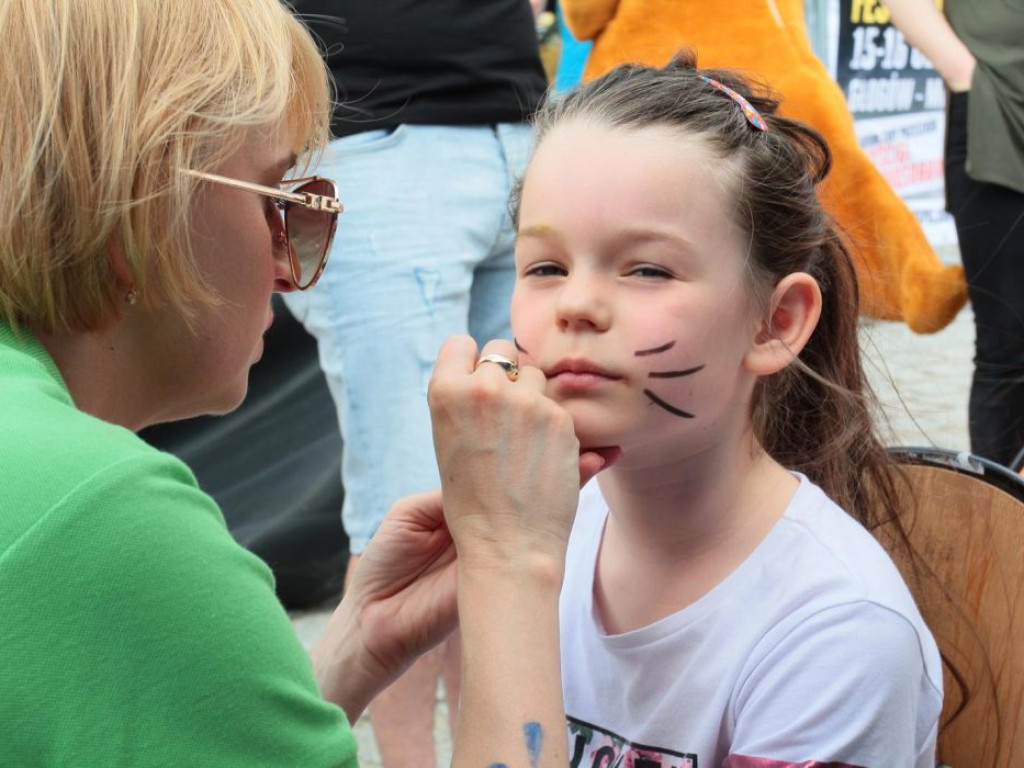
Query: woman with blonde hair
149, 212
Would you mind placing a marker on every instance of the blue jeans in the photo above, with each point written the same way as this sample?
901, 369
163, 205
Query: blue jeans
424, 250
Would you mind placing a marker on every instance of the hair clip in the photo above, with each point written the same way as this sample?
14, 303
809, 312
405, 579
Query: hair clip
752, 115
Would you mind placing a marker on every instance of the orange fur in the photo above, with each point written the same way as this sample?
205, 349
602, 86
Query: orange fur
900, 275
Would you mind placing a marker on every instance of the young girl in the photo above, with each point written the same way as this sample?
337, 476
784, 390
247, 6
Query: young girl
690, 304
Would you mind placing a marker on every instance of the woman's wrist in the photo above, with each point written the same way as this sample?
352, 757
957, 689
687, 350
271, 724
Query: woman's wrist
528, 571
346, 672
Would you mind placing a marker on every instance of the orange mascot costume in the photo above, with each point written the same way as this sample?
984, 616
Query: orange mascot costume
900, 275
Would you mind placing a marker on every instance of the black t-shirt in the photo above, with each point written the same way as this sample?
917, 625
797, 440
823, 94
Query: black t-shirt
438, 62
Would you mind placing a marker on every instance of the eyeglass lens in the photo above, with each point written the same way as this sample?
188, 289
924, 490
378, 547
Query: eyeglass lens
310, 233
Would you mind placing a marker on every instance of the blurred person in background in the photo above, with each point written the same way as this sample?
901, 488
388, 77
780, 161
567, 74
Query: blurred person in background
978, 48
431, 131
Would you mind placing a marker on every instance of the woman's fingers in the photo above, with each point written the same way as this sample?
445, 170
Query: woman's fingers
594, 460
508, 455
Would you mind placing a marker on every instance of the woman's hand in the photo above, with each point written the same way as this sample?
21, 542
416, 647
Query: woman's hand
509, 459
399, 604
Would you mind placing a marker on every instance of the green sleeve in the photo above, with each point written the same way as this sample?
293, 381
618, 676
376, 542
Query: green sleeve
136, 632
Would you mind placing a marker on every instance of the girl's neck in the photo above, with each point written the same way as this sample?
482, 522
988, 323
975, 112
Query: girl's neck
677, 505
690, 523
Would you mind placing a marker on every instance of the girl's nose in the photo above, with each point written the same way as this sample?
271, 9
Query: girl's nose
583, 304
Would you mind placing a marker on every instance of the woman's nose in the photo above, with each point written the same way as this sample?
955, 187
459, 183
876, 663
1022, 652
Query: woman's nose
286, 265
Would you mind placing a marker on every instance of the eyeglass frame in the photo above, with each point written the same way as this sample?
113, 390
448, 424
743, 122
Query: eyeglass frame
320, 203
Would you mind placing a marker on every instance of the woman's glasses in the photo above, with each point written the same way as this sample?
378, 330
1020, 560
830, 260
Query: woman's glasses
310, 213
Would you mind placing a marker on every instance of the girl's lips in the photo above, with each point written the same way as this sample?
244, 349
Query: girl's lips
581, 378
578, 366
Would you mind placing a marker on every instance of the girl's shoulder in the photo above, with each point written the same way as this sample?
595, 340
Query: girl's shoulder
827, 563
827, 544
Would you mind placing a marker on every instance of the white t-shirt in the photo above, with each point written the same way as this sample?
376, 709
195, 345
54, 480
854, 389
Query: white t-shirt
811, 650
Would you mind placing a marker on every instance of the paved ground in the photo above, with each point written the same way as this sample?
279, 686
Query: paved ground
922, 384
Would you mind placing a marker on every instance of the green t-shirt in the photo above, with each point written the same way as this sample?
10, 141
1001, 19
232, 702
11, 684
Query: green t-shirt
993, 30
134, 630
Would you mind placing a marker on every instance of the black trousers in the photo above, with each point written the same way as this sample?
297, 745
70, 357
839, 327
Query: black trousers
990, 227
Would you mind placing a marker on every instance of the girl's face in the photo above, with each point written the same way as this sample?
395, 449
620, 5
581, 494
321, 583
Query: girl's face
631, 290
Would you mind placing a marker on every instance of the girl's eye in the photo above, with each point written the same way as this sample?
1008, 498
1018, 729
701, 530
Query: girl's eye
545, 270
649, 271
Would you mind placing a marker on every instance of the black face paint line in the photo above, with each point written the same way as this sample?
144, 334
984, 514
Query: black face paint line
674, 374
655, 350
667, 375
670, 408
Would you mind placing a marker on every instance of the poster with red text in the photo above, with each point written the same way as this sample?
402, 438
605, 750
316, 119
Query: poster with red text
898, 101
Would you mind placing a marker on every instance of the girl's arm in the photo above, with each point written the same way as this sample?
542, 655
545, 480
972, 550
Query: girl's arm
927, 29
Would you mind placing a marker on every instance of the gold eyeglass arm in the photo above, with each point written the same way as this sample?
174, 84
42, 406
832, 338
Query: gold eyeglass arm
305, 199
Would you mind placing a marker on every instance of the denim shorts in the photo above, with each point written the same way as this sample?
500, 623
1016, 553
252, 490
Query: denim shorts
423, 250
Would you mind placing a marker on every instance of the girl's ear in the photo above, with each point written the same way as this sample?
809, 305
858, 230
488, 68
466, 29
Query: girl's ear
794, 310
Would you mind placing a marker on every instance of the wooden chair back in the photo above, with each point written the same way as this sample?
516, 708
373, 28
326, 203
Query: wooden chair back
966, 522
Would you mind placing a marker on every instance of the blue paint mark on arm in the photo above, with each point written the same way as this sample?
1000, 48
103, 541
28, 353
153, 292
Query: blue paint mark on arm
534, 740
497, 765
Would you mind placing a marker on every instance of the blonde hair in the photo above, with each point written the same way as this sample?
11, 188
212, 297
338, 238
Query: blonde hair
104, 102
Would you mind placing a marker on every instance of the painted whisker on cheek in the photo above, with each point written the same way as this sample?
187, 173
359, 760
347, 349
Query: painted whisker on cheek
655, 350
667, 375
674, 374
670, 408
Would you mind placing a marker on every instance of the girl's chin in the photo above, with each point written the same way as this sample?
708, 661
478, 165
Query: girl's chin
594, 439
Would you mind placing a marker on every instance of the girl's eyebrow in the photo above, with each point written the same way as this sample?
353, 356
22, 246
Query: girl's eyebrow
620, 238
635, 235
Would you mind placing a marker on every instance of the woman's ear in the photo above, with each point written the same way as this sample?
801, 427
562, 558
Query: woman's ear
118, 262
794, 309
124, 293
